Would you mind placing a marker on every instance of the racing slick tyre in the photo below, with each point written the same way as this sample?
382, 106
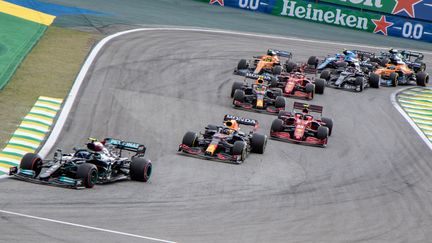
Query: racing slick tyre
309, 88
290, 66
88, 173
258, 143
422, 78
140, 169
319, 86
212, 127
190, 139
342, 64
239, 95
374, 80
394, 79
277, 70
383, 62
277, 92
280, 102
323, 132
277, 125
359, 81
282, 114
328, 123
235, 86
274, 82
325, 75
31, 161
313, 61
239, 148
242, 64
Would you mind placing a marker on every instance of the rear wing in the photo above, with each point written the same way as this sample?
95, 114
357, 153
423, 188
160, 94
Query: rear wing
267, 78
408, 54
311, 108
128, 146
285, 54
241, 120
363, 55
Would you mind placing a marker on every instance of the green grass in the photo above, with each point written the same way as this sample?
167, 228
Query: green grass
49, 70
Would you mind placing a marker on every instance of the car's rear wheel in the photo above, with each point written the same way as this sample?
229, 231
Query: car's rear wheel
394, 79
258, 143
190, 139
322, 132
242, 64
313, 61
374, 80
280, 102
88, 173
277, 125
140, 169
422, 78
328, 123
31, 161
283, 113
326, 74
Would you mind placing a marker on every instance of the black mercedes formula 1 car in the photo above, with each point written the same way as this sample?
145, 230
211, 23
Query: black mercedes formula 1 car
225, 143
101, 162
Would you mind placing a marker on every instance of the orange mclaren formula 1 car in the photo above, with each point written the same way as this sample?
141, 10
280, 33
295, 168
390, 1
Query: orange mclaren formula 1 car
394, 74
301, 126
225, 143
299, 86
262, 65
259, 97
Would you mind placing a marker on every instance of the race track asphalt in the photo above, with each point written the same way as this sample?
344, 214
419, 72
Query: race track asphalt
371, 184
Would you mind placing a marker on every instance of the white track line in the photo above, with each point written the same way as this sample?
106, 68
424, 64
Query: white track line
408, 118
85, 227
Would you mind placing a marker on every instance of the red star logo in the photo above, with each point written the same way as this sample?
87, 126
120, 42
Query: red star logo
381, 25
221, 2
407, 6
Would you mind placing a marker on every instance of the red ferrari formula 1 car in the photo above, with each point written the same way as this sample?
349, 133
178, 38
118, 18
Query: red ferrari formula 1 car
300, 126
225, 143
299, 86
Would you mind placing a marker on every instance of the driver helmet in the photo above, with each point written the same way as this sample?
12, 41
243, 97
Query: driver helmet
393, 51
270, 52
95, 146
260, 80
232, 125
345, 51
83, 154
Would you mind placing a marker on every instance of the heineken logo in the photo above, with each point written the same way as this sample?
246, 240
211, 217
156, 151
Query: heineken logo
368, 3
331, 16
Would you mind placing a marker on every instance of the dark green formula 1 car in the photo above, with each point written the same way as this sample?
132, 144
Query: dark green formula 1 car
101, 162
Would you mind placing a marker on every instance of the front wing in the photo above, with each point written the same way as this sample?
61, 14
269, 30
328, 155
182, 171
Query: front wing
285, 137
199, 152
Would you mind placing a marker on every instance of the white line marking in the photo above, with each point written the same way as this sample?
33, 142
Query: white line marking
408, 118
85, 227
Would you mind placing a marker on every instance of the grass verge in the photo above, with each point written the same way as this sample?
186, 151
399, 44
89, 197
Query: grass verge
50, 70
